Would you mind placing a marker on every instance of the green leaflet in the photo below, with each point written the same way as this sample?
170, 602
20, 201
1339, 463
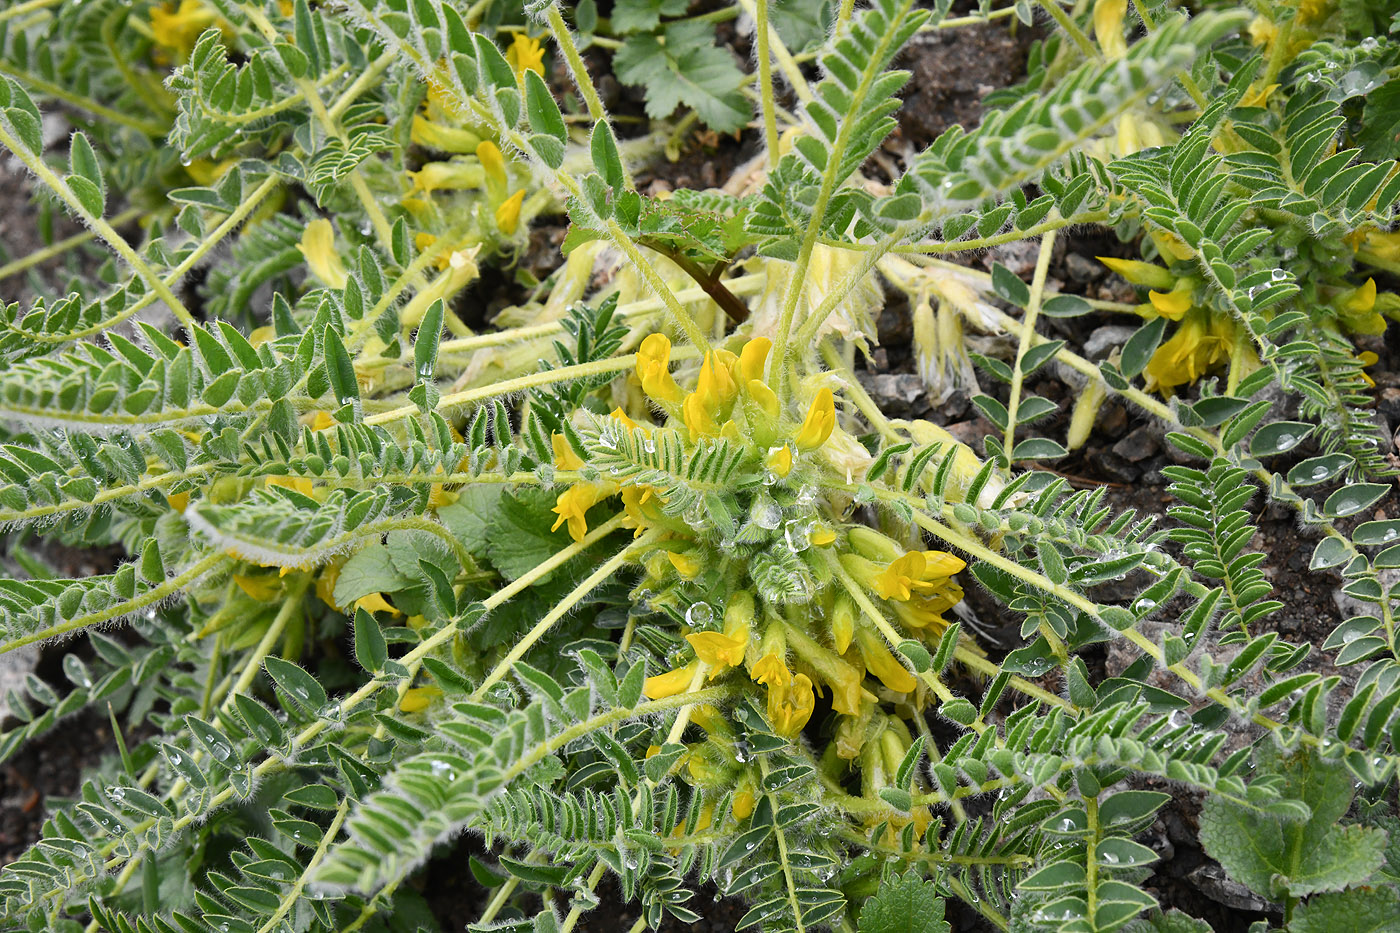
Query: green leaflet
1277, 856
687, 68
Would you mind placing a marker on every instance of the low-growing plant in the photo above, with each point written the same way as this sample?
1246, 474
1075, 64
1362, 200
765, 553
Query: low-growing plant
638, 580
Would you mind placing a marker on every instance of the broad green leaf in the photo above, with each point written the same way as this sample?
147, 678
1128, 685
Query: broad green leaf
904, 904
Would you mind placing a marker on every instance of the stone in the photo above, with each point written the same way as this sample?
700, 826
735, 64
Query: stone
899, 395
1083, 269
1104, 340
1140, 444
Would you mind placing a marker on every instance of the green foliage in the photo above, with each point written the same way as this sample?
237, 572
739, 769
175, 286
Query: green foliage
1290, 853
904, 904
614, 568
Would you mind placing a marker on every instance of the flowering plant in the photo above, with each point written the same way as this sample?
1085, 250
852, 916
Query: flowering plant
636, 578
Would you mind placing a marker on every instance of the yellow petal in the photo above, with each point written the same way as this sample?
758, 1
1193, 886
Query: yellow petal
752, 359
430, 135
686, 565
418, 699
525, 54
265, 588
842, 624
489, 154
653, 362
179, 501
375, 602
297, 483
564, 456
1108, 27
670, 683
1140, 273
880, 662
821, 419
765, 398
508, 214
318, 246
1171, 304
770, 671
717, 650
1360, 299
779, 461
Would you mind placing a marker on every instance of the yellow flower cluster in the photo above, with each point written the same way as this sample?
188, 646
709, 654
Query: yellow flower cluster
1204, 339
824, 647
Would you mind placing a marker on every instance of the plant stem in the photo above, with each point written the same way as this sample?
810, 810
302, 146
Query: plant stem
765, 84
151, 597
145, 127
62, 246
1042, 265
561, 609
582, 80
101, 227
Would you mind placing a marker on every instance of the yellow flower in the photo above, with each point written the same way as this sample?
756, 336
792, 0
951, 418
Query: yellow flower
770, 671
743, 804
643, 508
1173, 304
621, 415
1382, 245
1359, 299
880, 662
433, 135
564, 456
843, 623
1108, 27
178, 27
763, 397
179, 501
508, 214
917, 571
823, 536
573, 504
716, 382
698, 417
418, 699
326, 580
687, 565
1357, 308
1313, 10
719, 651
1262, 31
790, 707
1140, 273
752, 358
525, 54
821, 419
779, 461
670, 683
493, 164
445, 256
1258, 96
265, 588
1368, 358
318, 246
375, 602
1198, 344
653, 362
448, 176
